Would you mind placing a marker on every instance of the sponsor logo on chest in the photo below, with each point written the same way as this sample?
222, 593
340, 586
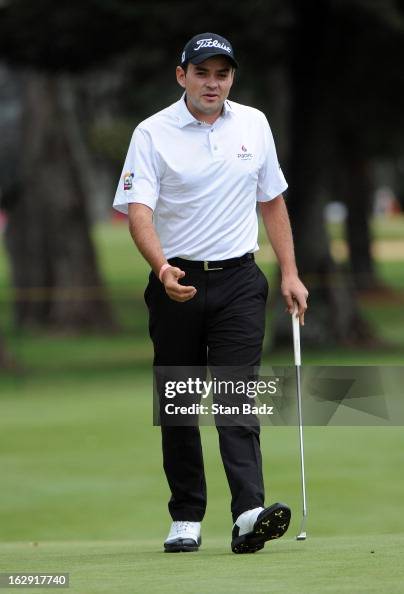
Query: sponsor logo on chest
244, 155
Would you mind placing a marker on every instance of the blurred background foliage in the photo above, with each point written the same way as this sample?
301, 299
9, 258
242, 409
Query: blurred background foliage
80, 462
77, 77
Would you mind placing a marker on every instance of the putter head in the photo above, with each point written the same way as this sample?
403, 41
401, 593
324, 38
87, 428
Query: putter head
301, 536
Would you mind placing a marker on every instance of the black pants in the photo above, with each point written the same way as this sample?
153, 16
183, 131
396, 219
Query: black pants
223, 325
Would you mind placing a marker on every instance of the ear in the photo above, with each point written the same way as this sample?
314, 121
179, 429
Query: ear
180, 73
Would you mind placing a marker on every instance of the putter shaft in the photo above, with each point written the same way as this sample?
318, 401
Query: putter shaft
297, 353
302, 534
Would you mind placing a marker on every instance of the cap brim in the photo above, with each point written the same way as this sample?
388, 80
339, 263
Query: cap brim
202, 57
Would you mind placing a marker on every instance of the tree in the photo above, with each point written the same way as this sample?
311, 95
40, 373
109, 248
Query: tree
48, 235
332, 114
316, 49
2, 354
368, 119
53, 260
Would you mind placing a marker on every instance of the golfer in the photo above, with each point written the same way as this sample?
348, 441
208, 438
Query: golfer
190, 184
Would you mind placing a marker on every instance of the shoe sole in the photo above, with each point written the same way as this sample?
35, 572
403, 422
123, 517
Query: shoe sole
179, 547
272, 524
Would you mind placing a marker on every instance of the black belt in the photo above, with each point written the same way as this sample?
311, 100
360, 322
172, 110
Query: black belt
211, 264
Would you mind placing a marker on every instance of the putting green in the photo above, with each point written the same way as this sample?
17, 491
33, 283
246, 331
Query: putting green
82, 488
351, 564
81, 476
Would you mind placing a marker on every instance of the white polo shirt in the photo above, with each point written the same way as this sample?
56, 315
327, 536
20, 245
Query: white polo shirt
202, 181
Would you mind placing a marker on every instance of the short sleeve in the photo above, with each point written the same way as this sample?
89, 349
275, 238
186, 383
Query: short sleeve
140, 179
271, 181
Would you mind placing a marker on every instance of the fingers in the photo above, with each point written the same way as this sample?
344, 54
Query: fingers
301, 301
296, 299
173, 272
180, 293
173, 289
297, 309
290, 306
300, 312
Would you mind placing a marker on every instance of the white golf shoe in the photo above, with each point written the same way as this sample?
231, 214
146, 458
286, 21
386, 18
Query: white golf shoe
255, 527
183, 537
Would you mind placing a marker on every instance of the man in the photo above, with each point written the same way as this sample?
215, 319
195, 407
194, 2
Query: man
191, 180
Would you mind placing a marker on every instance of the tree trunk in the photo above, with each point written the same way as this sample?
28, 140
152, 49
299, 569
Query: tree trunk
53, 261
6, 360
3, 356
359, 204
333, 316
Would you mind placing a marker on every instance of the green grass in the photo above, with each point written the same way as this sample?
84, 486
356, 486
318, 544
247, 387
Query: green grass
351, 565
126, 274
83, 492
81, 483
386, 228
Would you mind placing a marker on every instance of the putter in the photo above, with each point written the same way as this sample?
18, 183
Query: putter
298, 361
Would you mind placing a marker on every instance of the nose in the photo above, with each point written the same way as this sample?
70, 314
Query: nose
211, 83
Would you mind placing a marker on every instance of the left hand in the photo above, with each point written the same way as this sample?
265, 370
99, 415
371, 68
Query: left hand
294, 291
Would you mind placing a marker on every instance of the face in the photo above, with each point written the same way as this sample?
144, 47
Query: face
207, 85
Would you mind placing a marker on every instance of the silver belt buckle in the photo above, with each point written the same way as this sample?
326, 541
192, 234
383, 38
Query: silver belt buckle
206, 266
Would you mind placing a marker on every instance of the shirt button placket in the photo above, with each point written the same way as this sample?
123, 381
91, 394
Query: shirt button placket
213, 143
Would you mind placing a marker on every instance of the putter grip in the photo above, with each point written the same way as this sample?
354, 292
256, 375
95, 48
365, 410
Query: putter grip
296, 337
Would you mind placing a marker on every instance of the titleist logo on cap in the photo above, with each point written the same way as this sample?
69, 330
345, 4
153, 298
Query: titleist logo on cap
206, 45
209, 43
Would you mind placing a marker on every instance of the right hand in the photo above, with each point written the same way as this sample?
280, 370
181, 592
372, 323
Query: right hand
173, 288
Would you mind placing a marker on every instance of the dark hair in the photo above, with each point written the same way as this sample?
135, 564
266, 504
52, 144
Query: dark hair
185, 66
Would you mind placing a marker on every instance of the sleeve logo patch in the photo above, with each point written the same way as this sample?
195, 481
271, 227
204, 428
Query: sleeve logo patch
127, 180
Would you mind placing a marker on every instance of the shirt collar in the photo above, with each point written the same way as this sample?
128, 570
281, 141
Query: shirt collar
185, 117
